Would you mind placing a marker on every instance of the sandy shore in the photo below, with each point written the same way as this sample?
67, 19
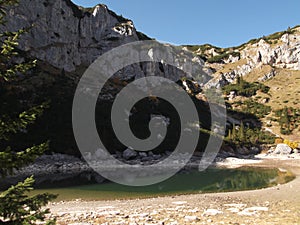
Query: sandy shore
275, 205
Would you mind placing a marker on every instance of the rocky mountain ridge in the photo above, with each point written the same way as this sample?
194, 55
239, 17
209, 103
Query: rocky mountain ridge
68, 36
66, 39
264, 55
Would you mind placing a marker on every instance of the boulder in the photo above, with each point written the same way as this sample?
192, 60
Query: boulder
146, 159
212, 212
98, 153
232, 95
271, 150
129, 153
156, 157
99, 179
191, 218
88, 156
283, 149
143, 154
255, 150
243, 151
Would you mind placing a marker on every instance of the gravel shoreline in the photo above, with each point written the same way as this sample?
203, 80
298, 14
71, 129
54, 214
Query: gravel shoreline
57, 168
275, 205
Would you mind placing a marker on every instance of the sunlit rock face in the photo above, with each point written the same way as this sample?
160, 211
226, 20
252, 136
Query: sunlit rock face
286, 54
280, 53
67, 36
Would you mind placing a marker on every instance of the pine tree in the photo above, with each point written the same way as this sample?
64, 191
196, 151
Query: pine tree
233, 134
285, 122
241, 133
16, 207
239, 80
229, 135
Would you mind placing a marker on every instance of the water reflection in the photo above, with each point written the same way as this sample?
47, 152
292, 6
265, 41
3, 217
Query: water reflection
212, 180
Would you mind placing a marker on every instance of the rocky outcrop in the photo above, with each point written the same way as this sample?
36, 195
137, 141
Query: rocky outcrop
286, 54
66, 36
283, 53
268, 76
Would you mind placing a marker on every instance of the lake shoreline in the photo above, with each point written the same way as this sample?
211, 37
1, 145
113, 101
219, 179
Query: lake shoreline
274, 205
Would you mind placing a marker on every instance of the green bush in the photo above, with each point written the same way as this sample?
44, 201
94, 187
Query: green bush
246, 136
288, 119
223, 56
258, 109
244, 88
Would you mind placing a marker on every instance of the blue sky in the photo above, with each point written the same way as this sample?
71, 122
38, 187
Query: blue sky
219, 22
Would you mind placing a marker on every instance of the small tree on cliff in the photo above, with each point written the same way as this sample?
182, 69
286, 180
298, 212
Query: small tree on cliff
16, 207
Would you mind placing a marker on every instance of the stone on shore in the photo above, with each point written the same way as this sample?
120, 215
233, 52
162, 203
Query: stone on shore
191, 218
212, 212
283, 149
129, 153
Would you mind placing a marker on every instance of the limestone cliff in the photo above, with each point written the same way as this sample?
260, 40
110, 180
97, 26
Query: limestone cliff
67, 36
285, 53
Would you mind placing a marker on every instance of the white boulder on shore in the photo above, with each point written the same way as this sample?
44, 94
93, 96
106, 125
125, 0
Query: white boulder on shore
283, 149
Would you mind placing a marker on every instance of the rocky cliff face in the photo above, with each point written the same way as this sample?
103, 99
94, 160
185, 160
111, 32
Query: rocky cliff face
284, 54
66, 36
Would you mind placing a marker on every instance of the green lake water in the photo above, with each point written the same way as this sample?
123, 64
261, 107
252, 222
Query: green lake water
212, 180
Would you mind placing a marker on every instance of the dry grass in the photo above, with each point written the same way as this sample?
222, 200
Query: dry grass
258, 72
285, 89
284, 92
232, 66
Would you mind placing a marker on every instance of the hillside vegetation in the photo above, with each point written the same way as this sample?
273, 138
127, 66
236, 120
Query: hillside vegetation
270, 88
